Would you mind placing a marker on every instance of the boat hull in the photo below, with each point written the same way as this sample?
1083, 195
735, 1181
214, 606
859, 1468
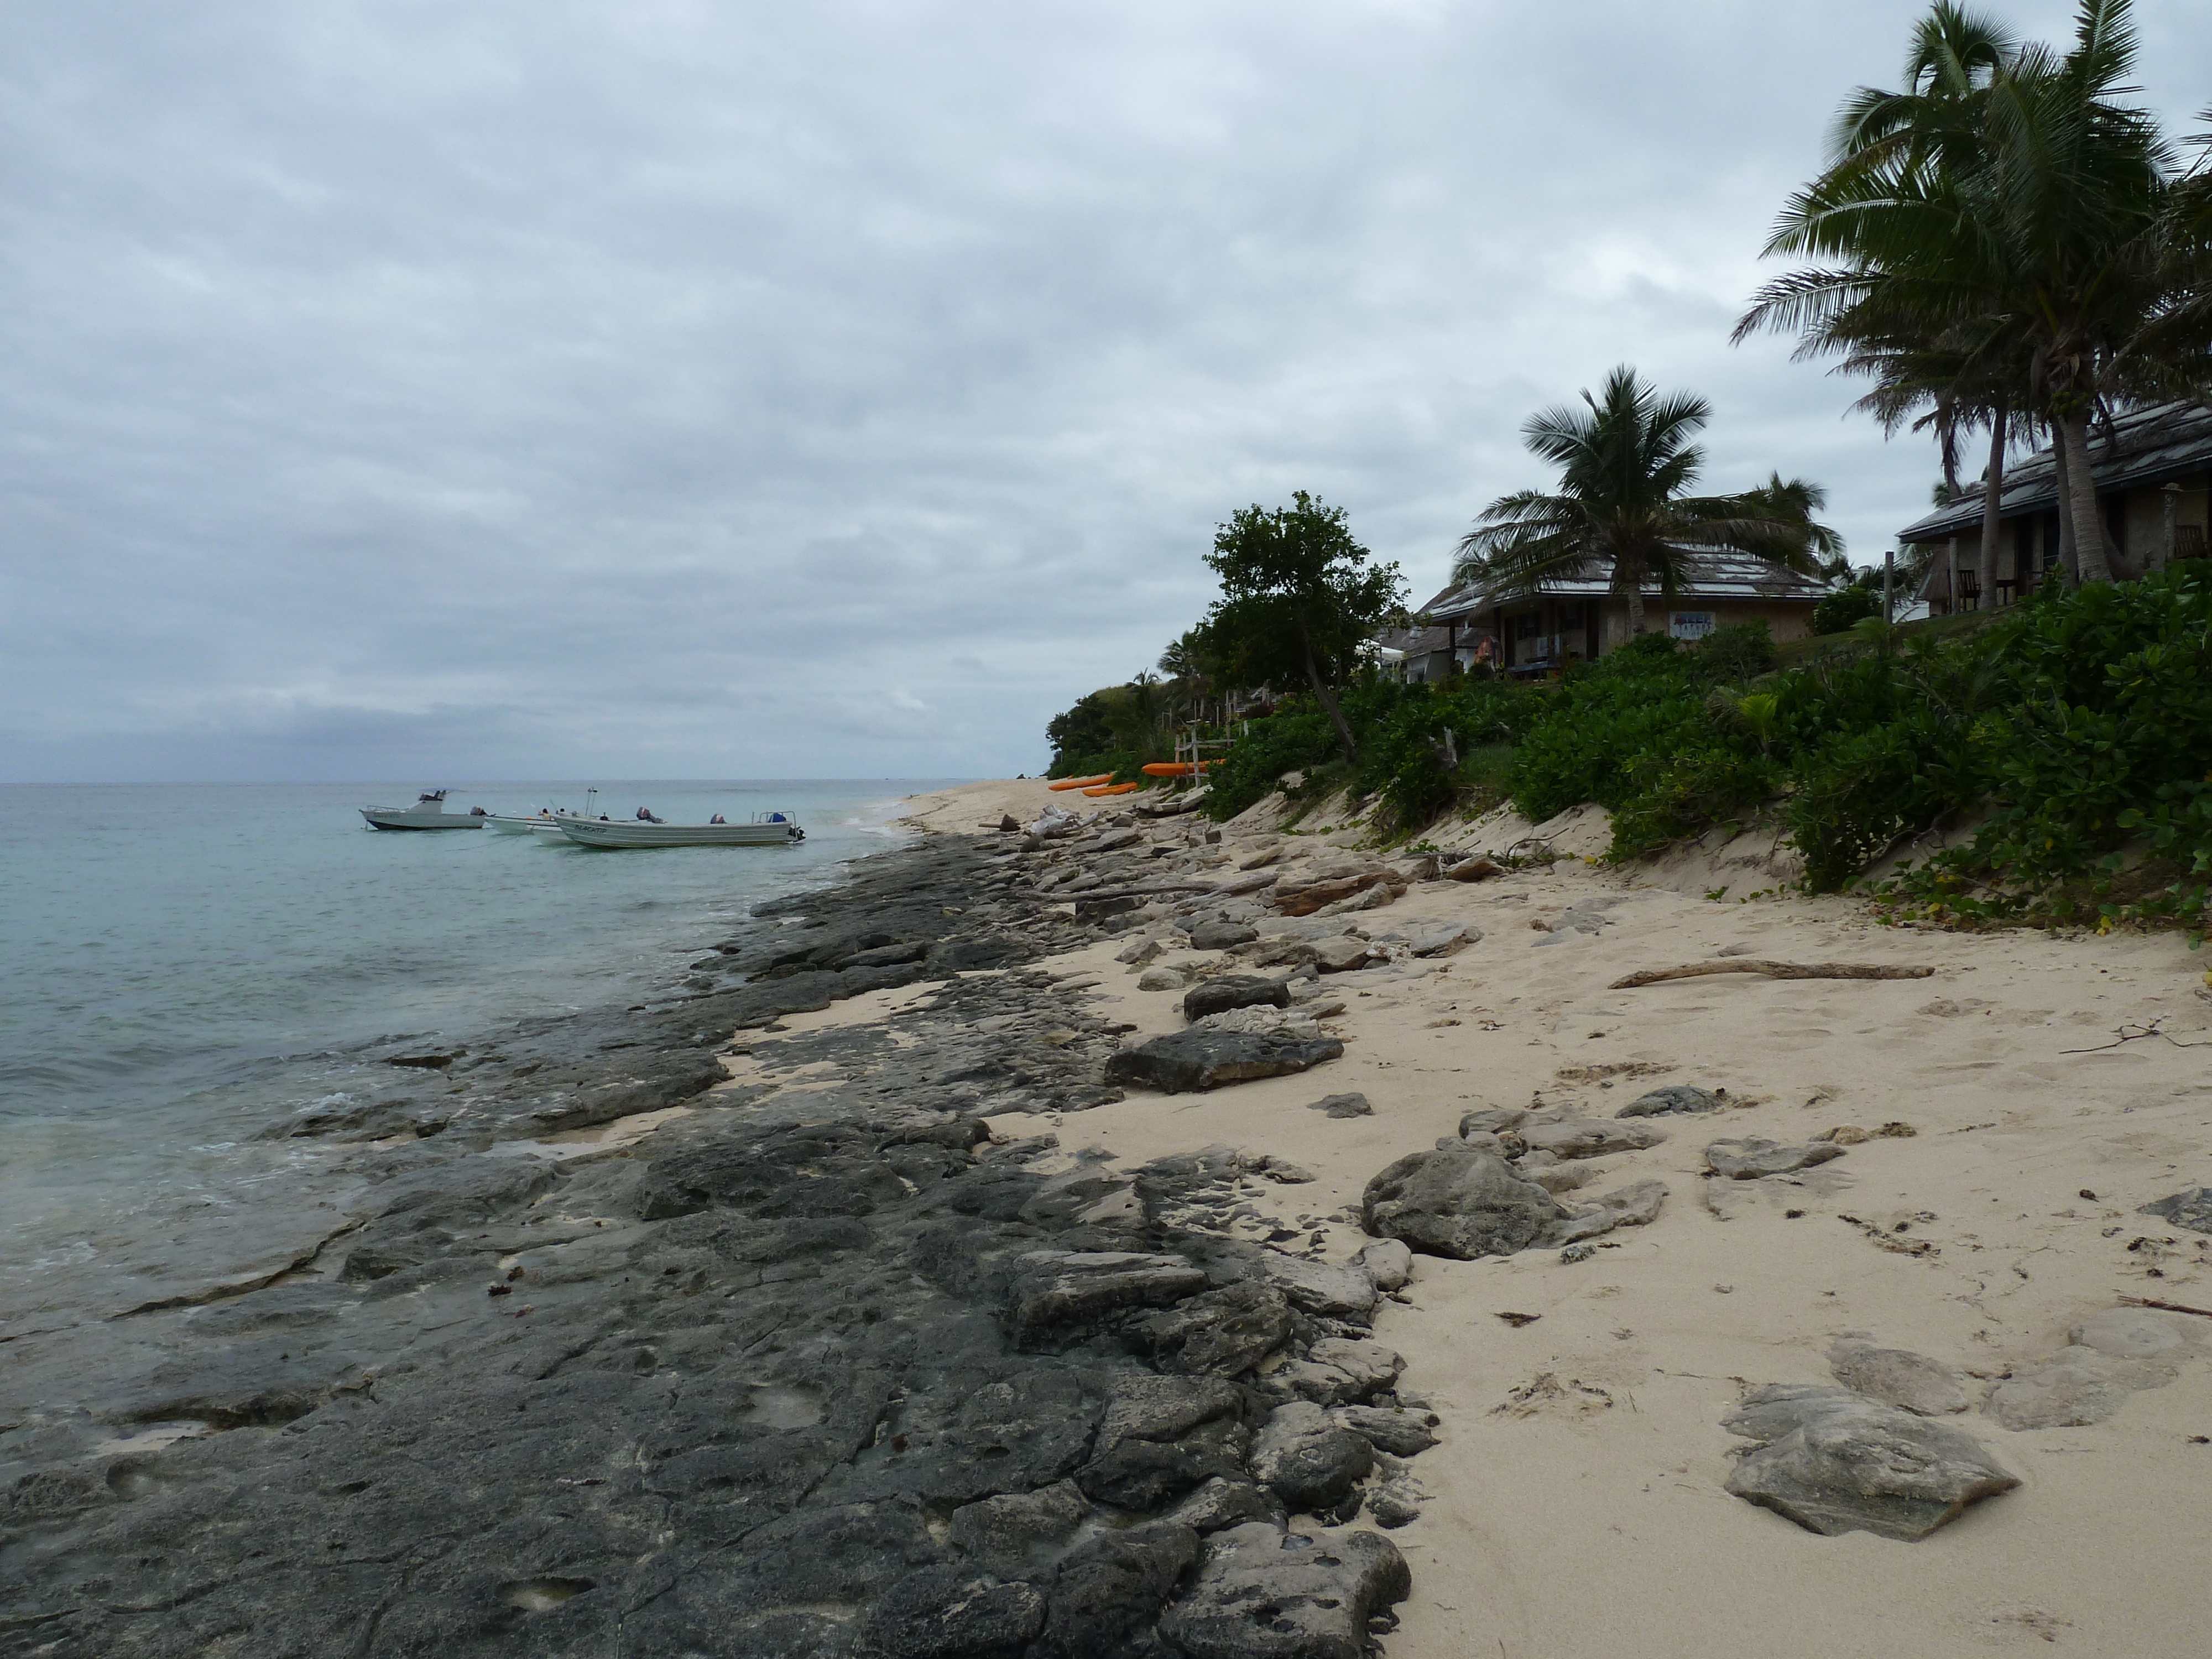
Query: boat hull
625, 833
393, 818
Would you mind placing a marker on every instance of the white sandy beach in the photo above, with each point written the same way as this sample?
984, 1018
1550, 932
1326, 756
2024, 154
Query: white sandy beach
1584, 1517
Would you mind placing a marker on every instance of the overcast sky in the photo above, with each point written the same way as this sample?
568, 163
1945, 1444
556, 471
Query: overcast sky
653, 388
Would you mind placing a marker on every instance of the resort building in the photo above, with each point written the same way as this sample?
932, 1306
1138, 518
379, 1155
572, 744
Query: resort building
1582, 617
2151, 469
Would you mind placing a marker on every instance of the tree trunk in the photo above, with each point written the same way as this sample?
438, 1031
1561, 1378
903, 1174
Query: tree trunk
1992, 495
2080, 505
1635, 604
1327, 700
2067, 559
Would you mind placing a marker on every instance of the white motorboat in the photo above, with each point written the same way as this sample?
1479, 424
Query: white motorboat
515, 825
429, 812
765, 829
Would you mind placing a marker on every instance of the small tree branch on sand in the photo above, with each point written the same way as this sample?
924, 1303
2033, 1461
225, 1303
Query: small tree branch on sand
1775, 971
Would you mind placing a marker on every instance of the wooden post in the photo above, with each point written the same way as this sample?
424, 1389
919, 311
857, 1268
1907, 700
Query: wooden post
2172, 494
1888, 576
1955, 575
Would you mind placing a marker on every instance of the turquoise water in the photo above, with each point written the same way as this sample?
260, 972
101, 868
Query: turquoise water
181, 964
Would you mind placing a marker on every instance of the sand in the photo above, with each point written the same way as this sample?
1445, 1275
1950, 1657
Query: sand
1589, 1522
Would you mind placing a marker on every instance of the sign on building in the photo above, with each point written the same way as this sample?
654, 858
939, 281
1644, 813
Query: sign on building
1690, 624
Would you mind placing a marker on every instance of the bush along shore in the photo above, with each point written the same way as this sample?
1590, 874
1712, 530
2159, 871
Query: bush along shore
2063, 747
817, 1366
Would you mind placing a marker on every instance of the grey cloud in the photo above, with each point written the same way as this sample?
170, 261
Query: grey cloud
665, 387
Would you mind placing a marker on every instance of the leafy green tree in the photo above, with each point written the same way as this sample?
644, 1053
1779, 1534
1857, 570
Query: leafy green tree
1623, 504
1299, 601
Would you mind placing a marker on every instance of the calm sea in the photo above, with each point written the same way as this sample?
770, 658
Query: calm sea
181, 964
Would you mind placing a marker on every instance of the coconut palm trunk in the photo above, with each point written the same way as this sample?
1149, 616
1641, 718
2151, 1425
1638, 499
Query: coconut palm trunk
2072, 430
1635, 581
1992, 500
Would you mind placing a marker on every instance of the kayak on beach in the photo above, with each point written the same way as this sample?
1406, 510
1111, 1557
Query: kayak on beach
1080, 783
1112, 789
1176, 768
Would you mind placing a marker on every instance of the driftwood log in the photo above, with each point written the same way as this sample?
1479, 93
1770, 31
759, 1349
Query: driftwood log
1774, 970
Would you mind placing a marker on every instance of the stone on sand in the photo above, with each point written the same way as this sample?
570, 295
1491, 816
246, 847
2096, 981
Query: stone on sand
1896, 1376
1346, 1105
1750, 1158
1457, 1201
1673, 1098
1836, 1461
1310, 1461
1187, 1061
1218, 995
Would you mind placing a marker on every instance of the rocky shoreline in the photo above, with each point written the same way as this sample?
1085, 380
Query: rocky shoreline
818, 1366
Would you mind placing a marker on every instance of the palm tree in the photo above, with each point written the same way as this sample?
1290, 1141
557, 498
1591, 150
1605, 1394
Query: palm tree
2008, 199
1623, 504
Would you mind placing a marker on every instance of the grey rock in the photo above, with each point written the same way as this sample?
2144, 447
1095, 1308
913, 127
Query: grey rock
1492, 1121
1312, 1463
1481, 867
1345, 1105
1162, 1436
1008, 1532
1061, 1289
1751, 1159
1262, 1592
2132, 1334
1109, 1584
1554, 1178
1282, 1171
887, 956
1574, 1137
1337, 1290
1442, 938
1673, 1098
1187, 1060
1220, 1503
1836, 1461
1457, 1201
2120, 1352
1389, 1263
1218, 935
1218, 995
1341, 955
1338, 1371
1636, 1205
1161, 979
1394, 1428
953, 1612
1395, 1499
2191, 1208
1139, 952
1896, 1376
1224, 1333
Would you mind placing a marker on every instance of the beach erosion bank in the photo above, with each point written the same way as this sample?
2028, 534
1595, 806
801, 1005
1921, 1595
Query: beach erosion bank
845, 1306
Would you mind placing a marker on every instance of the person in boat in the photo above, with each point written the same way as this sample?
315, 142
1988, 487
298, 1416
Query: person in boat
718, 818
644, 816
776, 818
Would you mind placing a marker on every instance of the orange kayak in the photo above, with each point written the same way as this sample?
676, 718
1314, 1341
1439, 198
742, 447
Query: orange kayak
1111, 789
1174, 768
1081, 783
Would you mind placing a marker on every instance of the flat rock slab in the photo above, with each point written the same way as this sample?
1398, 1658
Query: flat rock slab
1729, 1199
1262, 1592
1220, 935
1184, 1061
2191, 1209
2118, 1353
1059, 1290
1217, 996
1332, 1289
1341, 955
1458, 1202
1896, 1376
1589, 1137
1749, 1159
1676, 1097
1836, 1461
1398, 1430
1347, 1105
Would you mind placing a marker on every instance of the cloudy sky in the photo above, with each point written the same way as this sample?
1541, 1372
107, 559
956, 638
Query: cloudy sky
659, 388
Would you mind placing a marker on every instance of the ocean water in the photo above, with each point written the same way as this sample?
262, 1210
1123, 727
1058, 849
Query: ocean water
180, 965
